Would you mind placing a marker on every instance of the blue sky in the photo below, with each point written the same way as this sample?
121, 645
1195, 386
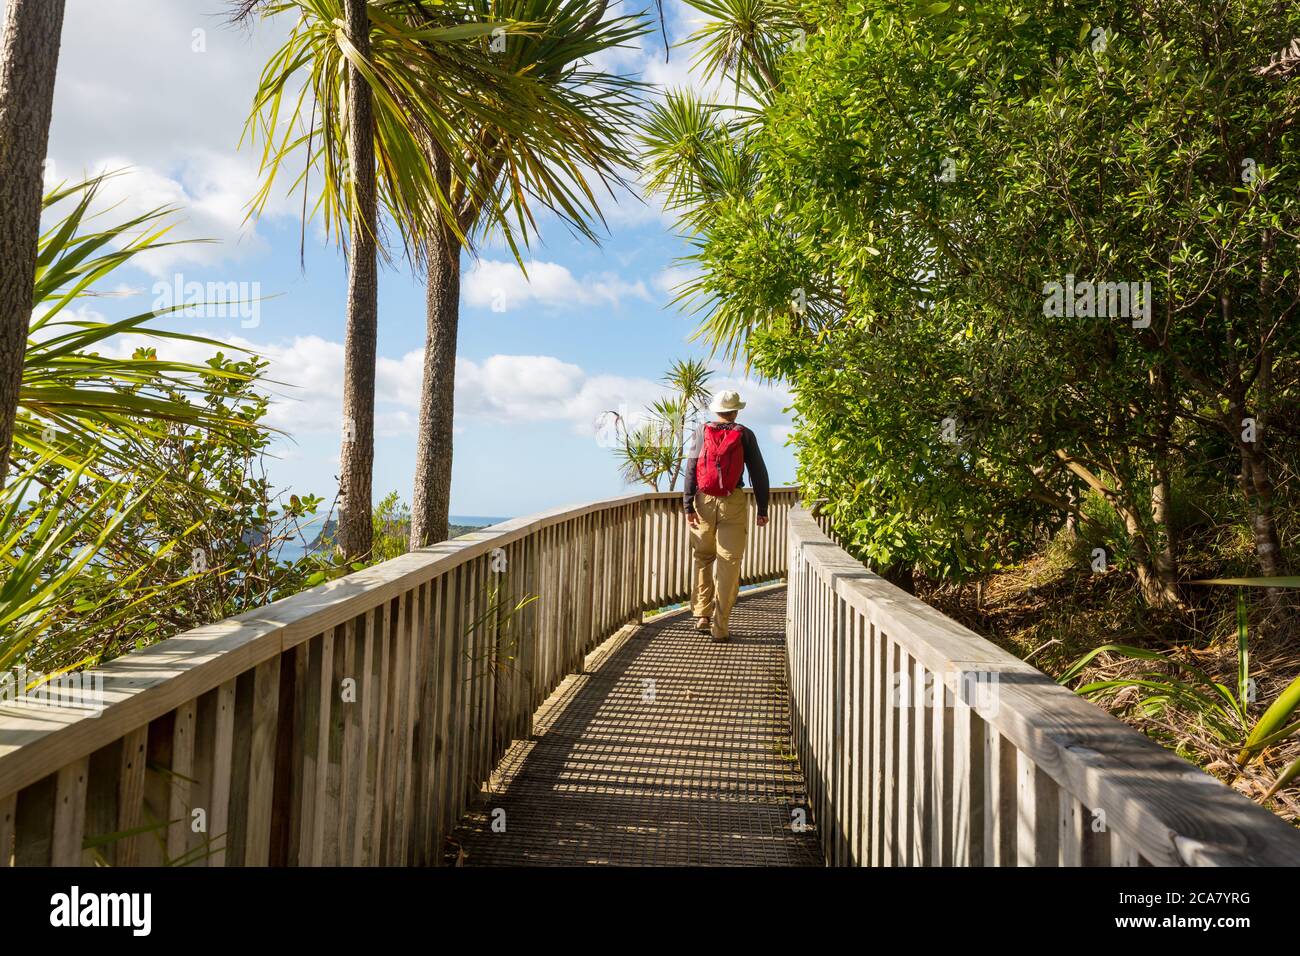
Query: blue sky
162, 87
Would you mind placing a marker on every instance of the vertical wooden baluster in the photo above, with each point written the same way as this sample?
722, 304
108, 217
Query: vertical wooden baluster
402, 676
670, 582
889, 819
240, 765
1038, 812
364, 750
478, 682
465, 782
941, 775
653, 544
199, 842
907, 718
329, 749
826, 707
564, 602
443, 753
8, 816
1096, 841
817, 622
223, 754
453, 617
866, 738
546, 571
261, 766
840, 761
130, 800
308, 701
879, 750
101, 806
640, 531
590, 631
178, 813
491, 678
1000, 813
968, 742
34, 823
857, 744
428, 833
528, 640
1070, 825
405, 797
70, 813
676, 567
394, 778
358, 661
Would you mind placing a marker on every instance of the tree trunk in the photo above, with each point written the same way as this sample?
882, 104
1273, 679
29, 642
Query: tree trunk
1257, 485
1257, 488
29, 62
432, 498
356, 457
1157, 592
1166, 537
1164, 534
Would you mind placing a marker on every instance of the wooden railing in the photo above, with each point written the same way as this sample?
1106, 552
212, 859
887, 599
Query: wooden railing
924, 744
351, 723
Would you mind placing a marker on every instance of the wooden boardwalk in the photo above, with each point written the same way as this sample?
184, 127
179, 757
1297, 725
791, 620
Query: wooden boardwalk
668, 750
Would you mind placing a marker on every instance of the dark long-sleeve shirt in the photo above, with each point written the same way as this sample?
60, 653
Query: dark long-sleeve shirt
754, 467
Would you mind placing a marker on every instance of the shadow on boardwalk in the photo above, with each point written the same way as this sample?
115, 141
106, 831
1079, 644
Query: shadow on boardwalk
669, 750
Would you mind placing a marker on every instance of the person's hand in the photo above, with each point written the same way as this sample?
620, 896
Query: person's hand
692, 519
761, 520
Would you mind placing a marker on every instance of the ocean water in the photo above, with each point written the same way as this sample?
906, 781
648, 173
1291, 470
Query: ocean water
293, 550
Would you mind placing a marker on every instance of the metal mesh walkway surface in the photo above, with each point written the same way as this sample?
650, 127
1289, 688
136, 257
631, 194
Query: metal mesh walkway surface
668, 750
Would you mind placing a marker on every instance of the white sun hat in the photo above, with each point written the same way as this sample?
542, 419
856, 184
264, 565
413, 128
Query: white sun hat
726, 402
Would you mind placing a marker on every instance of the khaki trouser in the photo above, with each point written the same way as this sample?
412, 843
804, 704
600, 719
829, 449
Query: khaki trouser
717, 544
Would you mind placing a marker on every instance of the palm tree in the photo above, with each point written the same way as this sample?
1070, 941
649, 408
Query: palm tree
659, 445
363, 119
561, 131
29, 61
357, 453
698, 155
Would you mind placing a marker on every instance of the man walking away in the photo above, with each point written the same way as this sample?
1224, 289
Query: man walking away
718, 511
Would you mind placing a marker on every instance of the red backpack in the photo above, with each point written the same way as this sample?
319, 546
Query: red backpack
717, 470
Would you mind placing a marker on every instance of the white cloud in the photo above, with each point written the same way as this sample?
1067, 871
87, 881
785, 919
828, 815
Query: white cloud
163, 90
503, 287
305, 379
671, 280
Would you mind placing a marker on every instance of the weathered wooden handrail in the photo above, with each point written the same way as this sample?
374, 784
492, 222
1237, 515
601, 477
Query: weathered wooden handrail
350, 723
924, 744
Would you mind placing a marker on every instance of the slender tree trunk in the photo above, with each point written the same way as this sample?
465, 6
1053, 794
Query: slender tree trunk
432, 498
29, 61
1166, 549
1155, 592
1257, 488
1164, 534
1257, 484
356, 458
